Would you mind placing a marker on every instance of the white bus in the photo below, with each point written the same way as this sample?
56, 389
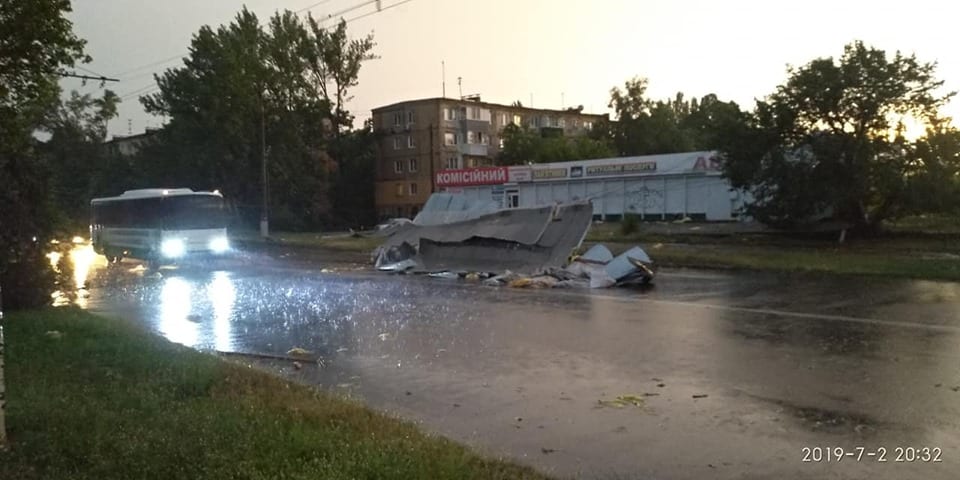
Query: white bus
159, 225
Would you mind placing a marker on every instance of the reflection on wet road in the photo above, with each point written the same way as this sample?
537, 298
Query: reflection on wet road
726, 375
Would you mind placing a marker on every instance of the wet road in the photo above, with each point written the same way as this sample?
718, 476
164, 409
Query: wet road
721, 375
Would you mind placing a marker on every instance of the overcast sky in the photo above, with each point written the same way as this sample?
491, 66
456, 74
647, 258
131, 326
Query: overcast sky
507, 50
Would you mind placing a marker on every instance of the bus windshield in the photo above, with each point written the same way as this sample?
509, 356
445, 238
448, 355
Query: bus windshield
193, 211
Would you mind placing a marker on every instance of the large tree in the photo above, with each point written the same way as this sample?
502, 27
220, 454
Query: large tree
36, 43
36, 40
288, 81
522, 146
75, 150
829, 140
645, 127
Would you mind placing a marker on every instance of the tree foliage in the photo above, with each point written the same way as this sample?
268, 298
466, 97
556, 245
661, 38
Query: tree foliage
648, 127
75, 151
830, 140
36, 42
291, 76
522, 146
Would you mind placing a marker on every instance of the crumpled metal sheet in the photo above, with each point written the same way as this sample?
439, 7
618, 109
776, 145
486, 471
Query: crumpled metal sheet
598, 253
521, 239
444, 208
628, 264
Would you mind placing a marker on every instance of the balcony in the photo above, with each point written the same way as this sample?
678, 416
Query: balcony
473, 149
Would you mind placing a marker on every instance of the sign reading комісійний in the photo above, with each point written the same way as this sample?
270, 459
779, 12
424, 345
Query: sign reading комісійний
472, 176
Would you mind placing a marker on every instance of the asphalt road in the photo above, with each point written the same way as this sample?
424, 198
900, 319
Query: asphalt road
720, 375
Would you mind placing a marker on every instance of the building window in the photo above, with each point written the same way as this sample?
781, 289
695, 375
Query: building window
398, 166
412, 165
576, 123
396, 143
588, 125
450, 113
409, 117
410, 143
517, 120
562, 123
399, 189
471, 137
413, 189
483, 139
501, 142
452, 163
449, 138
504, 119
397, 118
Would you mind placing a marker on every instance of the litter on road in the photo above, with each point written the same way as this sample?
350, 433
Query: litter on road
454, 237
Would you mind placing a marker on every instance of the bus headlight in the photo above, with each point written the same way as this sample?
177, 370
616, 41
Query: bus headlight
219, 245
172, 248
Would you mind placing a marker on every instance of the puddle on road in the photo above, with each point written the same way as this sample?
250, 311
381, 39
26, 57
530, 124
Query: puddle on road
825, 420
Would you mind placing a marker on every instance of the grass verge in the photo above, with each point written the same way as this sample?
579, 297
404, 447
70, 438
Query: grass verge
104, 400
343, 243
913, 255
797, 259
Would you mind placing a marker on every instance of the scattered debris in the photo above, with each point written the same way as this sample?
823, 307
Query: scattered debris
297, 351
297, 365
702, 395
383, 336
547, 451
54, 334
409, 393
661, 385
622, 401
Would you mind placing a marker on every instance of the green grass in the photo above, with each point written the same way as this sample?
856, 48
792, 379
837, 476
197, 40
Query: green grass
108, 401
315, 240
797, 259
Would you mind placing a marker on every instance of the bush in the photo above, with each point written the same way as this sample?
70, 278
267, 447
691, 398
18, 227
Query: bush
630, 224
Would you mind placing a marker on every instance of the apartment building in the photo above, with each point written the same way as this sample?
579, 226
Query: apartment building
423, 137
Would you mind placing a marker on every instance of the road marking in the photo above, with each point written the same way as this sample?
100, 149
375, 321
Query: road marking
781, 313
814, 316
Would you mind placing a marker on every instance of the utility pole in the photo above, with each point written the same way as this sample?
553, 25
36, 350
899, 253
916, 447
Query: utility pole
264, 218
460, 86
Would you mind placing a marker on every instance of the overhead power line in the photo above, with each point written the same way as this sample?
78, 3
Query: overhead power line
315, 5
86, 77
158, 62
358, 17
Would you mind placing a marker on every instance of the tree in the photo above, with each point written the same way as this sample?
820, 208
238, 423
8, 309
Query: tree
37, 41
830, 140
77, 128
648, 127
293, 78
522, 146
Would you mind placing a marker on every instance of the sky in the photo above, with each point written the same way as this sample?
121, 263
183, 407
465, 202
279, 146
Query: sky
545, 53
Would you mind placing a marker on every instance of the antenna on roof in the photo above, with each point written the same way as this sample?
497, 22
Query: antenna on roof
460, 86
443, 69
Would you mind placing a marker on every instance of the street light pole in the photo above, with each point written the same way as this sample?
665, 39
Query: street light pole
264, 218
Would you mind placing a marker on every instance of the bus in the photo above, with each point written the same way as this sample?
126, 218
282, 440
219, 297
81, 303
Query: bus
159, 225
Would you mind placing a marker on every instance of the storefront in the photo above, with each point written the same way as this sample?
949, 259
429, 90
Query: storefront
655, 187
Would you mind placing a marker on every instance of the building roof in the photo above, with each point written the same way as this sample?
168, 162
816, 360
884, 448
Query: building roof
154, 193
484, 104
